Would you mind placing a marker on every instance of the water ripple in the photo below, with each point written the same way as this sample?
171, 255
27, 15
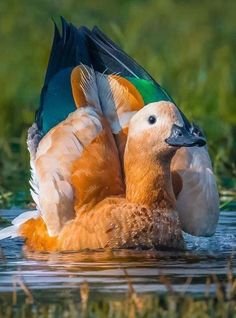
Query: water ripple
114, 270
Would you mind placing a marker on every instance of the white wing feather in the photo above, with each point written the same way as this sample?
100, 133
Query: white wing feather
51, 158
12, 231
198, 202
115, 102
55, 156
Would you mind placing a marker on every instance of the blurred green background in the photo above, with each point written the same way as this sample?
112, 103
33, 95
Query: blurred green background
188, 46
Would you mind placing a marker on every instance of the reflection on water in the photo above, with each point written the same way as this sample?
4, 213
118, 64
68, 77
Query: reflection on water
107, 271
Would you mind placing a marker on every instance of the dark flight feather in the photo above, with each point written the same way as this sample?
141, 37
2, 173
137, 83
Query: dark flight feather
108, 57
69, 49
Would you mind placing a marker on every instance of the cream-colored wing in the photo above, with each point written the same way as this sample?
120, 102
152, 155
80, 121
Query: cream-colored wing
75, 159
198, 202
52, 166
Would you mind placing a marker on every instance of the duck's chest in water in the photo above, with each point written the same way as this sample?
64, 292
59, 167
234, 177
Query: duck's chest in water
141, 227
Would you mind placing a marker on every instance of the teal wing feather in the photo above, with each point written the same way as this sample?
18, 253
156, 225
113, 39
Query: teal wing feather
69, 49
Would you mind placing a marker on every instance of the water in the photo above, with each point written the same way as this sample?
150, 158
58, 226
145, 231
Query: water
114, 272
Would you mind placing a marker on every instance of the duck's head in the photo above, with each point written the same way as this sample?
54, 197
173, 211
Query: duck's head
161, 128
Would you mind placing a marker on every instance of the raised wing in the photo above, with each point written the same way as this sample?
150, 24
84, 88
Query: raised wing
53, 166
75, 159
53, 139
198, 201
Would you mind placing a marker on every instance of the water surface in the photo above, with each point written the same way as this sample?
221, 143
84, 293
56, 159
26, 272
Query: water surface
115, 271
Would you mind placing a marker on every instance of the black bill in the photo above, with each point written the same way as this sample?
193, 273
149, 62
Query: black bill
184, 137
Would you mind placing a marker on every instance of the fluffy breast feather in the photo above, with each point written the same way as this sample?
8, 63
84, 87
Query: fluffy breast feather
113, 223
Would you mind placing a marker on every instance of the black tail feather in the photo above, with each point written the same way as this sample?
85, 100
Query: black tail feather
107, 56
115, 60
110, 58
69, 49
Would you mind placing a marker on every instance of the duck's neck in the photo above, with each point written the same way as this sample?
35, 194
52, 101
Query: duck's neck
148, 180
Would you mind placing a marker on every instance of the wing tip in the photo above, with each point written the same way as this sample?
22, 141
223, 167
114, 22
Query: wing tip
12, 230
9, 232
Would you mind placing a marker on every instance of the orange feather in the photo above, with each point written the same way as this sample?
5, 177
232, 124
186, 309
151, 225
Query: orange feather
97, 173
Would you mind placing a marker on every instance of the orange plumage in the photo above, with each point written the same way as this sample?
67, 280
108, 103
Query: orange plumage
112, 211
106, 171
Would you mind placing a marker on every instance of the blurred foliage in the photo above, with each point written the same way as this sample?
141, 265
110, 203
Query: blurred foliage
82, 303
188, 46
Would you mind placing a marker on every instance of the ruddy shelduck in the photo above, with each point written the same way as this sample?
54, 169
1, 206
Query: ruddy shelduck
115, 163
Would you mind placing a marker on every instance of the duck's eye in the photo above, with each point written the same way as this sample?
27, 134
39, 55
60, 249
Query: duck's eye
152, 120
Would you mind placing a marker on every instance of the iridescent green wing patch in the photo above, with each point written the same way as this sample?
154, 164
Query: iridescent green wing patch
150, 91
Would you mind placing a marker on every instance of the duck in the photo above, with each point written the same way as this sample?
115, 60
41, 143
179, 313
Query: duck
109, 214
111, 155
